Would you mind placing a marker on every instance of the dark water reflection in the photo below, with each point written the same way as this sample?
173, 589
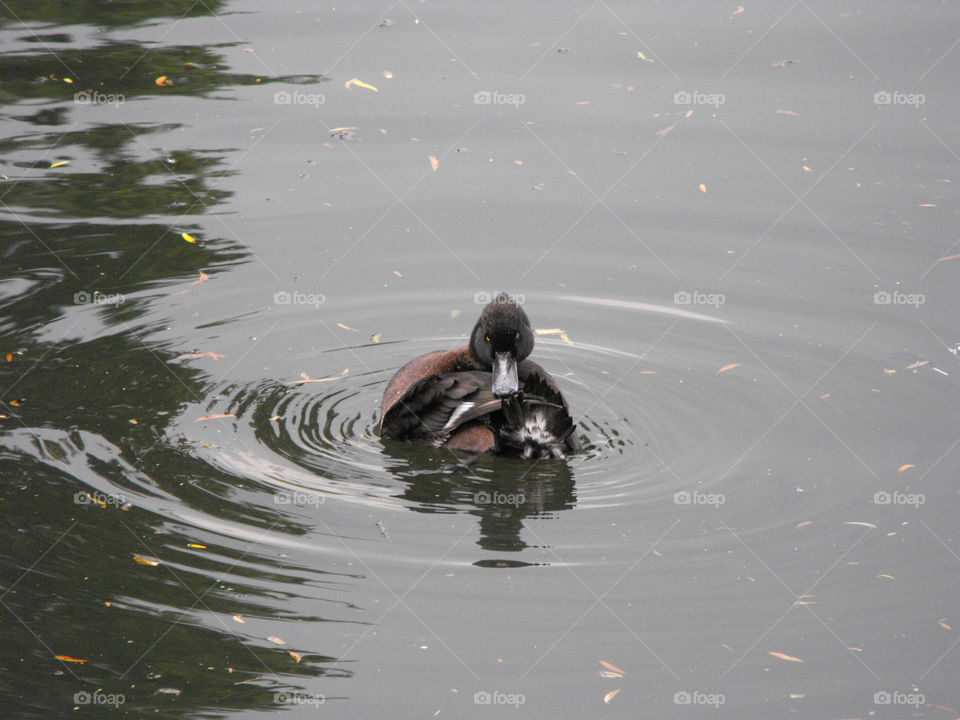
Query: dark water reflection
204, 287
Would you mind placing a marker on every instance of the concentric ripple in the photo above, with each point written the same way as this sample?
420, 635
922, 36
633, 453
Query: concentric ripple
648, 412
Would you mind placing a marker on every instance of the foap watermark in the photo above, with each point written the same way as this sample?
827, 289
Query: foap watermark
685, 497
295, 698
896, 297
87, 497
493, 97
495, 697
97, 697
95, 97
895, 697
296, 497
685, 97
483, 298
695, 697
98, 298
298, 298
895, 97
296, 97
485, 497
899, 498
685, 297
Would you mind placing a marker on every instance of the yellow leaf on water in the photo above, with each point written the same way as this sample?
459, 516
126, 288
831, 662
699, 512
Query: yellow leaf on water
203, 278
703, 188
359, 83
143, 561
60, 164
375, 338
67, 658
731, 366
944, 624
347, 327
665, 130
905, 467
804, 523
611, 667
296, 656
782, 656
214, 417
197, 545
610, 696
238, 619
434, 163
740, 9
387, 74
163, 81
276, 640
189, 238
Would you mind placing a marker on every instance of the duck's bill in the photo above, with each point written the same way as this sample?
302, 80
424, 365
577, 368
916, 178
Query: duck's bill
505, 381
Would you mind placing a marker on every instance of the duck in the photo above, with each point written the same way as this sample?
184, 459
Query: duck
484, 397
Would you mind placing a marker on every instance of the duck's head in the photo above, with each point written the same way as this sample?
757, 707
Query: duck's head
502, 338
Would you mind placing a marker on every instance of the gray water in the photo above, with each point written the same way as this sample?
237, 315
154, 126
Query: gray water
738, 229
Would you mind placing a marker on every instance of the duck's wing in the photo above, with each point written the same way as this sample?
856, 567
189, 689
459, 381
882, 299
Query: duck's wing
540, 391
434, 406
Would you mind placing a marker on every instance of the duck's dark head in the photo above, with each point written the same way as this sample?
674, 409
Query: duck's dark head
502, 338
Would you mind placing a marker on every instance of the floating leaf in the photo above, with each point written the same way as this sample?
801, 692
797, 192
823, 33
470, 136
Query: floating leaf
296, 656
163, 81
278, 641
194, 356
703, 188
214, 417
133, 421
610, 696
905, 467
611, 667
375, 338
783, 656
359, 83
943, 623
61, 163
739, 10
806, 168
347, 327
197, 545
804, 523
865, 524
666, 130
237, 618
387, 74
143, 561
189, 238
886, 577
731, 366
787, 112
67, 658
203, 278
434, 163
950, 257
